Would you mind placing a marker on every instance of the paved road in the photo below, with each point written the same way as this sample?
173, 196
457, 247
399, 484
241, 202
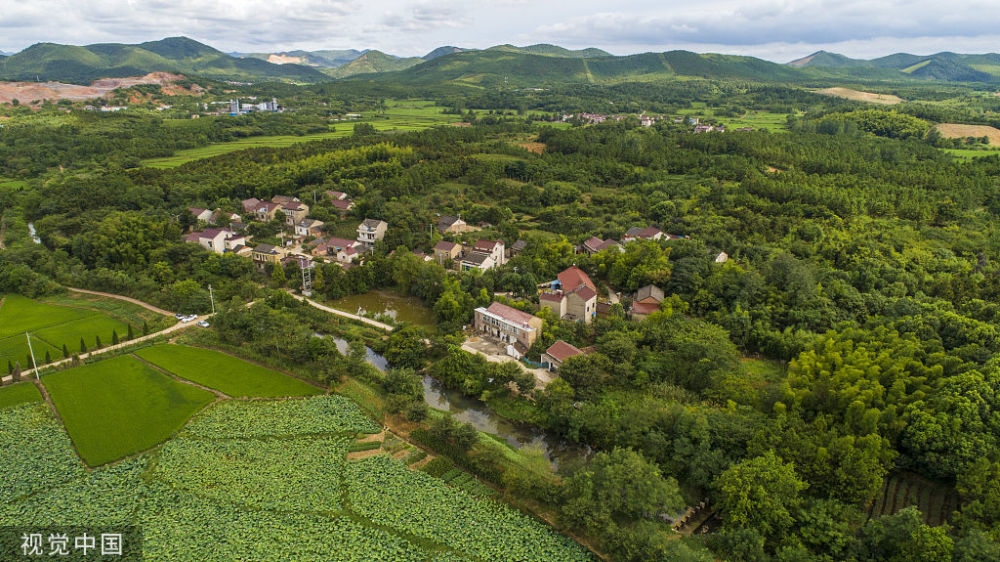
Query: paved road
334, 311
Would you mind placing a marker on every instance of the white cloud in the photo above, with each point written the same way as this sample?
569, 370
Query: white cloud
774, 29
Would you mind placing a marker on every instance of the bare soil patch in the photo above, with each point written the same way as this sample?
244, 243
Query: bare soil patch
956, 130
30, 92
536, 147
847, 93
357, 455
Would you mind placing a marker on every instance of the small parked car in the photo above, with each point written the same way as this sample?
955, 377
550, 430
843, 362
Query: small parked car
190, 317
179, 316
203, 323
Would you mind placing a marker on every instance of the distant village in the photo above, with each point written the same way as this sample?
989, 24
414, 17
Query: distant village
649, 121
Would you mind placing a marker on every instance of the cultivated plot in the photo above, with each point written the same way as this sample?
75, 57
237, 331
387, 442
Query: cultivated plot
118, 407
224, 373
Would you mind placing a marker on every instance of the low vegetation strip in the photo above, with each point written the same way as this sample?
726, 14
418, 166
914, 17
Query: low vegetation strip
225, 373
120, 406
35, 452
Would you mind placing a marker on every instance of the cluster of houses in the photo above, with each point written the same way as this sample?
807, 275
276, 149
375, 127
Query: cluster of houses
307, 240
595, 118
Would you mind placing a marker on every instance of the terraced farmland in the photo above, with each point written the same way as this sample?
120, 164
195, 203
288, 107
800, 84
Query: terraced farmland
271, 489
936, 501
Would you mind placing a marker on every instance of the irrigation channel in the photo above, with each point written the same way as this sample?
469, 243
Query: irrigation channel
476, 413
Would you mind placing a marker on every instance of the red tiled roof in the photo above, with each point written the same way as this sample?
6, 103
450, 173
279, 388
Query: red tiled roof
594, 243
649, 232
573, 277
445, 246
510, 314
250, 205
585, 292
645, 308
486, 245
342, 204
554, 297
562, 351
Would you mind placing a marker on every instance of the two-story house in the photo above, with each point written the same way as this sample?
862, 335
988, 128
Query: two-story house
371, 231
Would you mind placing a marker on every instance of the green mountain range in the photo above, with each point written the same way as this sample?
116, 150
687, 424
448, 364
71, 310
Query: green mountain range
492, 67
68, 63
941, 66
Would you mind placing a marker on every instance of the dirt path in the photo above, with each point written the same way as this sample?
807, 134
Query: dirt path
358, 455
145, 305
336, 312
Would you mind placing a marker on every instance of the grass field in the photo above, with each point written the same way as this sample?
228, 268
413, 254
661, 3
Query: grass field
399, 116
969, 153
64, 322
224, 373
117, 407
20, 393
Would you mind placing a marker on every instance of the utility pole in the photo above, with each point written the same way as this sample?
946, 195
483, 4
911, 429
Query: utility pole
306, 277
211, 296
32, 353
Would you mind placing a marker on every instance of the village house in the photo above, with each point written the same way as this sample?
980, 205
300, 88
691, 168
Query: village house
595, 245
218, 240
517, 247
336, 195
558, 352
263, 211
722, 257
222, 217
371, 231
308, 227
648, 233
342, 205
294, 211
645, 302
495, 248
507, 324
477, 260
574, 296
200, 214
340, 249
446, 252
448, 224
266, 253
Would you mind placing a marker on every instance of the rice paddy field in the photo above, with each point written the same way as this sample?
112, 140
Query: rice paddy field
63, 321
121, 406
224, 373
400, 116
264, 480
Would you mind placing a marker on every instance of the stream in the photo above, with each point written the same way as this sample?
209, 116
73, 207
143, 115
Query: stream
476, 413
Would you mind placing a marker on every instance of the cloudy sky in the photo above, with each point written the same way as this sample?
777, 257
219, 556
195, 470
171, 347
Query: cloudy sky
778, 30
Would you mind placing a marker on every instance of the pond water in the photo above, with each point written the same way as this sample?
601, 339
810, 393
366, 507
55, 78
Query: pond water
476, 413
394, 305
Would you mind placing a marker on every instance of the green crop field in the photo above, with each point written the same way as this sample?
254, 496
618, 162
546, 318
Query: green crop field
117, 407
53, 324
273, 490
969, 153
224, 373
398, 116
20, 393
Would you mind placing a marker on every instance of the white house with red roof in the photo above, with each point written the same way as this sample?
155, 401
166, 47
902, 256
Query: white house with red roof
218, 240
574, 296
508, 324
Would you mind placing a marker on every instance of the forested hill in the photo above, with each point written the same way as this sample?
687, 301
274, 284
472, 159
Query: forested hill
940, 66
494, 66
69, 63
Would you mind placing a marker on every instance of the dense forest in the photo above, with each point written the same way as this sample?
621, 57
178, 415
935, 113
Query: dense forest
850, 338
